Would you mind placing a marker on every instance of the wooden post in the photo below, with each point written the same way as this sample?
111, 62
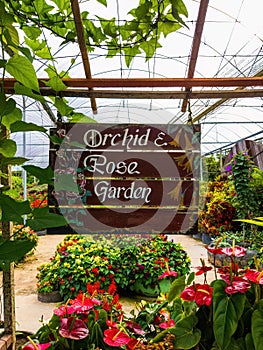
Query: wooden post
8, 274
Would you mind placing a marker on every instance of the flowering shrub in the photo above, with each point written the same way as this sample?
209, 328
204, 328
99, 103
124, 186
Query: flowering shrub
218, 212
81, 259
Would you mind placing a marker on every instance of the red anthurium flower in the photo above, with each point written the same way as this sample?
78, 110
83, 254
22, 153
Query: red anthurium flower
214, 250
236, 251
254, 276
167, 324
238, 285
134, 327
200, 293
111, 324
167, 274
73, 328
38, 346
202, 269
132, 343
115, 337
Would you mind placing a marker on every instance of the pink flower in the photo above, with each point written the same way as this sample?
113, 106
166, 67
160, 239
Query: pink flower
168, 274
38, 346
236, 251
167, 324
200, 293
64, 310
238, 284
134, 327
115, 337
73, 328
84, 304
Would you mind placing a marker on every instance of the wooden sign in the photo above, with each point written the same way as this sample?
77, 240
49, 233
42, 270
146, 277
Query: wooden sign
143, 178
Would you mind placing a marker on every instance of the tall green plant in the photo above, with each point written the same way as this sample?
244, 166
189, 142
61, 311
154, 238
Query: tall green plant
245, 199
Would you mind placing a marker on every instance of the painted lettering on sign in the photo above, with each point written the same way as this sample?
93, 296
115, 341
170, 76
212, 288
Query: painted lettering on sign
104, 191
98, 163
93, 138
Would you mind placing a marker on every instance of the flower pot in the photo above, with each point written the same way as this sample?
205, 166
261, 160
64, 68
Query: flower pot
51, 297
206, 238
162, 286
219, 260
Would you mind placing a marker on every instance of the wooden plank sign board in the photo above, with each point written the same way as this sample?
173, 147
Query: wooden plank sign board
141, 178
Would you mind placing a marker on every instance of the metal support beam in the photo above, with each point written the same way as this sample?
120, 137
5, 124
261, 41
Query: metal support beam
196, 45
82, 47
223, 100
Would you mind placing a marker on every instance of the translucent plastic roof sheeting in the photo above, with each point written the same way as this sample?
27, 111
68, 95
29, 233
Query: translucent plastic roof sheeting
231, 46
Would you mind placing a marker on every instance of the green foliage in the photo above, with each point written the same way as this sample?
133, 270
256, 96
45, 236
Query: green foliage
245, 199
150, 20
212, 165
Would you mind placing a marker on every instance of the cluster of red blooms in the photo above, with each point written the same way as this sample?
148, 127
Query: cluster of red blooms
39, 203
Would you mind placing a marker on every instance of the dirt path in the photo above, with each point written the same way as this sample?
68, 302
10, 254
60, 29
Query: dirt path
25, 273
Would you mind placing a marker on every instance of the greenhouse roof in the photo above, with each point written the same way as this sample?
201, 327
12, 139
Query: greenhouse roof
230, 35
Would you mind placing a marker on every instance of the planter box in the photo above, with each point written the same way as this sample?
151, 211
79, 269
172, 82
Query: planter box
52, 297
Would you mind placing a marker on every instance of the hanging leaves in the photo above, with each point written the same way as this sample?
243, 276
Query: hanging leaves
23, 71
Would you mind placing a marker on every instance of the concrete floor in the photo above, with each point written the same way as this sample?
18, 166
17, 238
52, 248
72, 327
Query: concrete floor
29, 311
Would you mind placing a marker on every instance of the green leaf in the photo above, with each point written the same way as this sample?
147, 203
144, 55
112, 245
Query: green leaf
56, 84
45, 175
13, 251
103, 2
7, 148
257, 329
32, 32
14, 116
62, 106
130, 53
149, 47
190, 278
21, 126
168, 27
25, 91
13, 210
80, 118
44, 53
2, 63
228, 310
43, 219
180, 6
55, 139
249, 342
23, 71
177, 287
12, 38
14, 160
186, 336
7, 105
